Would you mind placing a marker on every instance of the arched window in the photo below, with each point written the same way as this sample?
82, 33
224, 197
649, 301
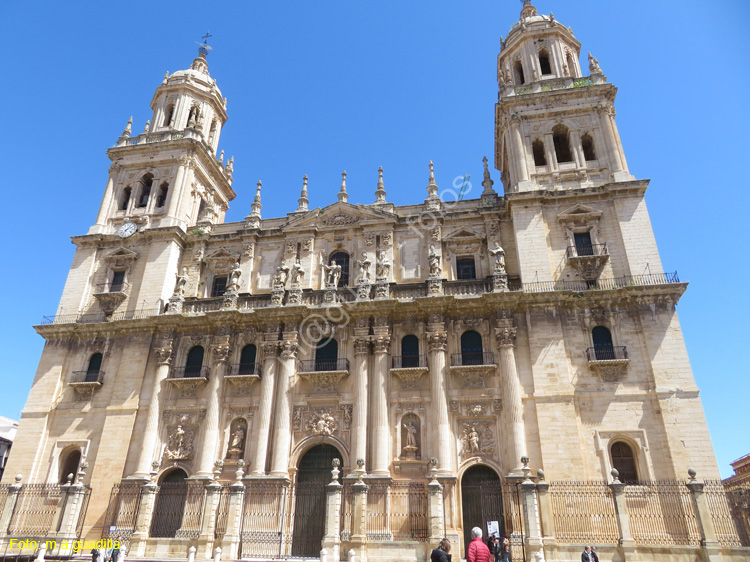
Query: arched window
410, 351
326, 355
146, 182
518, 73
212, 131
168, 114
69, 465
623, 460
537, 147
544, 64
162, 198
194, 362
95, 365
587, 143
602, 339
125, 199
247, 360
471, 348
571, 64
562, 143
342, 259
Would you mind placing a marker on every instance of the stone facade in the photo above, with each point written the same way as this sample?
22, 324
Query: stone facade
507, 297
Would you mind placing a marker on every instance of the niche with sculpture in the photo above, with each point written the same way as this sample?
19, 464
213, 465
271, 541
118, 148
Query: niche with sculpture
411, 436
237, 439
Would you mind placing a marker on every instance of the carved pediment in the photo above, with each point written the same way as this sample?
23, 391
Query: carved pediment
462, 233
579, 214
121, 257
222, 260
337, 214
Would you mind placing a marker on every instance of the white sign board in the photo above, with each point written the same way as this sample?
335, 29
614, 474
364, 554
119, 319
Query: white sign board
493, 528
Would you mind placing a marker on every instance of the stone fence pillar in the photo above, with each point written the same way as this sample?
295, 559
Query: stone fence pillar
709, 542
359, 513
621, 511
545, 510
208, 521
10, 504
332, 538
530, 514
144, 516
435, 506
232, 535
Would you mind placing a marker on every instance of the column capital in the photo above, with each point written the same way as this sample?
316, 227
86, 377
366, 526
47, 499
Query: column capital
163, 354
270, 348
381, 344
222, 351
361, 345
505, 335
288, 348
437, 341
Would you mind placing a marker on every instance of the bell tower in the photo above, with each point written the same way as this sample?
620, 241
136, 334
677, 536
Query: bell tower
554, 127
169, 174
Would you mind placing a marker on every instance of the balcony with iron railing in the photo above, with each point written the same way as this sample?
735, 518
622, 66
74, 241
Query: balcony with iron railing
472, 358
85, 383
409, 369
608, 361
243, 376
188, 378
588, 259
587, 250
110, 287
473, 367
323, 374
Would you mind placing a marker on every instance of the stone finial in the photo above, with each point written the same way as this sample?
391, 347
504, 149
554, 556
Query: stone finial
525, 468
128, 128
594, 68
432, 179
615, 476
83, 465
154, 470
380, 191
692, 473
432, 201
69, 479
528, 10
303, 200
240, 471
335, 471
540, 474
230, 166
253, 219
18, 478
221, 157
166, 77
218, 467
147, 127
487, 182
360, 463
343, 195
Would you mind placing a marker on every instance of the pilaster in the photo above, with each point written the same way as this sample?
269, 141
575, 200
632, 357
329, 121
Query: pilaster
265, 408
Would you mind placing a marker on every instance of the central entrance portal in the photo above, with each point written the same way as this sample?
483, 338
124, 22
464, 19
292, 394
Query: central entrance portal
313, 474
481, 500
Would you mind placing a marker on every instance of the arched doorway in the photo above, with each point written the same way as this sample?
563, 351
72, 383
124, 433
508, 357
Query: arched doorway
313, 473
170, 504
481, 501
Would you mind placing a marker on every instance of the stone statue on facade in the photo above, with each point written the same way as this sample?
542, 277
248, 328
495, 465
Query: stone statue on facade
382, 266
433, 259
181, 283
499, 254
364, 268
298, 272
331, 273
282, 274
236, 447
180, 444
594, 65
234, 276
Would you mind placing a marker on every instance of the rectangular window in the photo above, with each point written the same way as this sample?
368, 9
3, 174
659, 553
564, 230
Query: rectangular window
219, 287
465, 268
583, 243
118, 280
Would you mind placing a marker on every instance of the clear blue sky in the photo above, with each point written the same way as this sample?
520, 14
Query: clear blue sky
318, 87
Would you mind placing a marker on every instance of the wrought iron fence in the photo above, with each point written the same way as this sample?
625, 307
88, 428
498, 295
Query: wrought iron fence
246, 369
309, 518
601, 284
408, 511
97, 317
178, 510
587, 250
120, 287
607, 353
36, 507
122, 511
315, 365
730, 512
347, 511
188, 372
408, 361
222, 511
265, 520
583, 512
378, 509
87, 376
472, 358
662, 513
513, 518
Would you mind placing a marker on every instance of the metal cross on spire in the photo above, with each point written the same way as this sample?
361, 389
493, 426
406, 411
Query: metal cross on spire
204, 47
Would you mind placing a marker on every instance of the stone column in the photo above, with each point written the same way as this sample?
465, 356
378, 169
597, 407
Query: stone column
518, 149
435, 506
531, 513
332, 538
437, 341
211, 437
176, 189
381, 443
283, 420
709, 542
621, 511
359, 416
109, 193
613, 153
151, 432
268, 377
511, 385
10, 504
231, 543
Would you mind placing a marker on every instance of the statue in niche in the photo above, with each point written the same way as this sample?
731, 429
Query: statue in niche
331, 273
364, 268
182, 281
499, 254
382, 266
282, 274
238, 433
180, 444
234, 276
433, 259
298, 273
473, 439
410, 436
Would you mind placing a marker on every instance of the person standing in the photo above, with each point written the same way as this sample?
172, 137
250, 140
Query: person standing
593, 554
477, 551
440, 554
586, 555
505, 550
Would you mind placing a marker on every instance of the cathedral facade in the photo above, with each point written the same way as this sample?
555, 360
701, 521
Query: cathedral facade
461, 345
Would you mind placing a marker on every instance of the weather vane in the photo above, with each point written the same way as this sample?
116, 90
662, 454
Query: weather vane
205, 47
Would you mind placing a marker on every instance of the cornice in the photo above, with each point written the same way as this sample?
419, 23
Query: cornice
614, 189
168, 233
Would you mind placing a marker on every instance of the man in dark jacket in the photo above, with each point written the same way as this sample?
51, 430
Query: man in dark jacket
477, 550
